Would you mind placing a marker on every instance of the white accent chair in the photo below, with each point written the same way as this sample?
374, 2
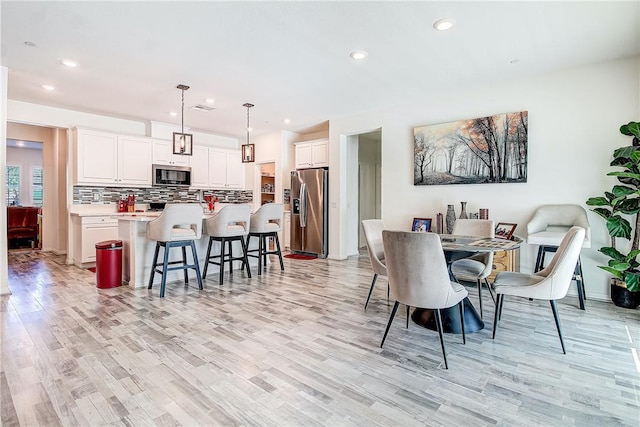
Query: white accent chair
179, 225
548, 227
550, 284
266, 222
373, 235
477, 267
419, 277
229, 225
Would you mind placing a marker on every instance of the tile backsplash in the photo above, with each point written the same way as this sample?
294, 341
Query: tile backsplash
110, 195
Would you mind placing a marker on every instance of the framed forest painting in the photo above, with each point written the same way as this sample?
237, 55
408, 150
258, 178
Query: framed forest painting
478, 151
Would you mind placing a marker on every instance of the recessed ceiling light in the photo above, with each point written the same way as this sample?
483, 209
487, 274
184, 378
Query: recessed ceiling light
286, 121
48, 87
69, 63
514, 61
209, 100
30, 44
358, 54
444, 24
173, 114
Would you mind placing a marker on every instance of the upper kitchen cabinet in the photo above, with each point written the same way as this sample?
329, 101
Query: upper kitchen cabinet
163, 154
226, 169
200, 167
312, 154
108, 159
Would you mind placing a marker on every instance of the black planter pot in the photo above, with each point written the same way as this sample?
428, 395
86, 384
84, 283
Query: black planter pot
622, 297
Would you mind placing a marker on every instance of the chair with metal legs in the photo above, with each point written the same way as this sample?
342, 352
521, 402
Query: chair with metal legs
550, 284
547, 228
373, 236
179, 226
419, 277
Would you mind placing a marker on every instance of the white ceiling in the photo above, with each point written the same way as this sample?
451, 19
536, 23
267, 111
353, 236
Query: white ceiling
291, 59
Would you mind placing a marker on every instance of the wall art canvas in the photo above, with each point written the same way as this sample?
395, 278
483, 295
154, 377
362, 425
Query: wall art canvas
478, 151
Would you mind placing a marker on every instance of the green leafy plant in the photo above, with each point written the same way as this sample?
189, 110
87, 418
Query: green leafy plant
623, 199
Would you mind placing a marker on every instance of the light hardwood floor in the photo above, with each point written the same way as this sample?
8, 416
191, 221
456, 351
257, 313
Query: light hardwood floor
297, 348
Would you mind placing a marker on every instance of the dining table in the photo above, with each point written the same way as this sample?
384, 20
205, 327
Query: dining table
457, 247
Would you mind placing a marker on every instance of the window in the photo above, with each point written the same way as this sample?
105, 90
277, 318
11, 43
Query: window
36, 186
13, 185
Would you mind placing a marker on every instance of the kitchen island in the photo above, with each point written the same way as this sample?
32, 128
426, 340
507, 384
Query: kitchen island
138, 252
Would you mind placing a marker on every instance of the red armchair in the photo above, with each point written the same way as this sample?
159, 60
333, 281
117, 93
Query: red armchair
22, 223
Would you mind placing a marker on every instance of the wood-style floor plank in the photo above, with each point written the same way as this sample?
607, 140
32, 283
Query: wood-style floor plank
297, 348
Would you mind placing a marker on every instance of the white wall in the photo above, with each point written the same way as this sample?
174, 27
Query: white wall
574, 117
4, 277
26, 159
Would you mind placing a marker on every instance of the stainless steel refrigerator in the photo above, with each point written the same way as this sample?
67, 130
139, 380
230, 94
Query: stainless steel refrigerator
310, 211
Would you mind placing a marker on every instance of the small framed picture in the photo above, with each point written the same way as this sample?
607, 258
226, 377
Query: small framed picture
504, 230
421, 225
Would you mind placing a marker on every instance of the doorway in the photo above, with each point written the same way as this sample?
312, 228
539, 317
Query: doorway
369, 179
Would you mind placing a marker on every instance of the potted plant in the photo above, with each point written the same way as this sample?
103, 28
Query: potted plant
623, 199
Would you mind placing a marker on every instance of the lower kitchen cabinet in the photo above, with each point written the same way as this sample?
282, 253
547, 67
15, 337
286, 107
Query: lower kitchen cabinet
89, 230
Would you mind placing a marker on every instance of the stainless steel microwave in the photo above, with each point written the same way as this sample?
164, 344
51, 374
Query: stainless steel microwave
178, 176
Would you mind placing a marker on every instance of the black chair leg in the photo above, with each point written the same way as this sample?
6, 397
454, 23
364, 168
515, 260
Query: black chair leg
500, 309
260, 249
579, 283
230, 246
493, 297
557, 319
408, 309
539, 259
373, 282
464, 338
153, 266
439, 325
480, 295
393, 314
496, 315
245, 259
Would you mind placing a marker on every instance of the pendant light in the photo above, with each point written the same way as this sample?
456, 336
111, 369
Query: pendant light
183, 142
248, 150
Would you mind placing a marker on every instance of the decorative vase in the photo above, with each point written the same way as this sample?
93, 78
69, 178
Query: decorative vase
463, 212
451, 218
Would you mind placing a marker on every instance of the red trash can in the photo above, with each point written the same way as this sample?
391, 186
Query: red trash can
109, 264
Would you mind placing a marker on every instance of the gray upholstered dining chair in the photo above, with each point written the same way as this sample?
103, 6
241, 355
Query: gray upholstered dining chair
547, 228
373, 236
418, 277
477, 267
179, 226
550, 284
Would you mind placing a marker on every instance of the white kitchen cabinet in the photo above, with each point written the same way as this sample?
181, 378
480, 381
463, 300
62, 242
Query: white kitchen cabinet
103, 158
312, 154
163, 154
226, 169
286, 229
200, 167
88, 231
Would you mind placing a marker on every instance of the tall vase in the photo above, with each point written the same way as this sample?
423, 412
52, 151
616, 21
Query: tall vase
463, 212
451, 218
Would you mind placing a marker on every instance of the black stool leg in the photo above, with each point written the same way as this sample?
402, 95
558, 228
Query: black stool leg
196, 264
221, 277
230, 245
480, 296
557, 319
184, 264
206, 260
260, 249
245, 259
153, 266
165, 266
279, 252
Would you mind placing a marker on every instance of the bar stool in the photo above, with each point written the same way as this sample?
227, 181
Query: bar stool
547, 228
266, 222
178, 226
230, 224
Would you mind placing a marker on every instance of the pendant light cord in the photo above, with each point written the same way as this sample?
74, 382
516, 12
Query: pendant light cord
182, 112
